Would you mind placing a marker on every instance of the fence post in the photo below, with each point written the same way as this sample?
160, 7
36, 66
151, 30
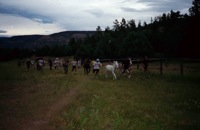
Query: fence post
181, 67
161, 68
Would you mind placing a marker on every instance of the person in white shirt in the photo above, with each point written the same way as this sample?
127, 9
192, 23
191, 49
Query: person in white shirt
41, 64
96, 65
56, 63
74, 64
79, 63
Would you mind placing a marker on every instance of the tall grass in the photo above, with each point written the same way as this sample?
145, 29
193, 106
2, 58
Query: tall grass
145, 101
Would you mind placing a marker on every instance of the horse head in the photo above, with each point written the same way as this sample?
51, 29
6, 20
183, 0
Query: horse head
116, 64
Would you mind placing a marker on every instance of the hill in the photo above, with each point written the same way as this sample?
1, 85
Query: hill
33, 41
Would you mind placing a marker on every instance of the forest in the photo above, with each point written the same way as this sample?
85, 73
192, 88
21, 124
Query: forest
171, 35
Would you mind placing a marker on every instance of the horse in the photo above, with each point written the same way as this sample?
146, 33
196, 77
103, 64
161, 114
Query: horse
111, 68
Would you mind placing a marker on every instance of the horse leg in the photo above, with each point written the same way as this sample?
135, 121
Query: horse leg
129, 72
114, 75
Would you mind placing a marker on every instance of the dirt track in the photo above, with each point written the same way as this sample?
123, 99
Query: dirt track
44, 118
44, 121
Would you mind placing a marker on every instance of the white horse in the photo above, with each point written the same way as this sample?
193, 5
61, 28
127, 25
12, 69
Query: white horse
111, 68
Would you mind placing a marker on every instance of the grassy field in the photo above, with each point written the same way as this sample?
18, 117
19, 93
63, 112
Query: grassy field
52, 100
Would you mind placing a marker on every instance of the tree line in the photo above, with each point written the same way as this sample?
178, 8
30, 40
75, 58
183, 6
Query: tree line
169, 35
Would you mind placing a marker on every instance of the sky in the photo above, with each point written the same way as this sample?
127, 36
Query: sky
27, 17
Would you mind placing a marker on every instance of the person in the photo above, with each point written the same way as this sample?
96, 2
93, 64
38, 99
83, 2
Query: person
40, 64
87, 66
28, 64
65, 65
92, 63
56, 63
79, 63
126, 66
74, 64
37, 60
145, 63
97, 65
50, 64
32, 62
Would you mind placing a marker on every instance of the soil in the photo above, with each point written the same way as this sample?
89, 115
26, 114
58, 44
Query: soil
42, 120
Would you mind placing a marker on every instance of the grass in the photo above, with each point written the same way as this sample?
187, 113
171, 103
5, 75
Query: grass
138, 103
145, 101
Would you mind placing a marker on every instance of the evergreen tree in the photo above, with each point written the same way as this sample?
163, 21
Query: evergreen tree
116, 26
195, 9
98, 32
131, 25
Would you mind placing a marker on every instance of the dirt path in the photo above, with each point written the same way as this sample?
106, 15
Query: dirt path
43, 122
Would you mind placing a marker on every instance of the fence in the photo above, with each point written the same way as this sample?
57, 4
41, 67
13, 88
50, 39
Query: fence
166, 64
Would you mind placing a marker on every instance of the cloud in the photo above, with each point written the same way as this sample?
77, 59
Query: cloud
167, 5
42, 16
16, 25
24, 13
132, 6
95, 12
3, 31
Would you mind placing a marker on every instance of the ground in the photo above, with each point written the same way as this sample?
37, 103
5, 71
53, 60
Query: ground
41, 120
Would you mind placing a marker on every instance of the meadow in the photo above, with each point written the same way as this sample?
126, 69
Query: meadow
53, 100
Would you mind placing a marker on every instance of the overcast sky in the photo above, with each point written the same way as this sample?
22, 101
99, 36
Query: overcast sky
24, 17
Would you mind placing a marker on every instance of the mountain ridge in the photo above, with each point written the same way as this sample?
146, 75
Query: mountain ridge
36, 40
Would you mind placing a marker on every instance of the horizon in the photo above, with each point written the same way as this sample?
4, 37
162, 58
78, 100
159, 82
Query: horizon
46, 34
